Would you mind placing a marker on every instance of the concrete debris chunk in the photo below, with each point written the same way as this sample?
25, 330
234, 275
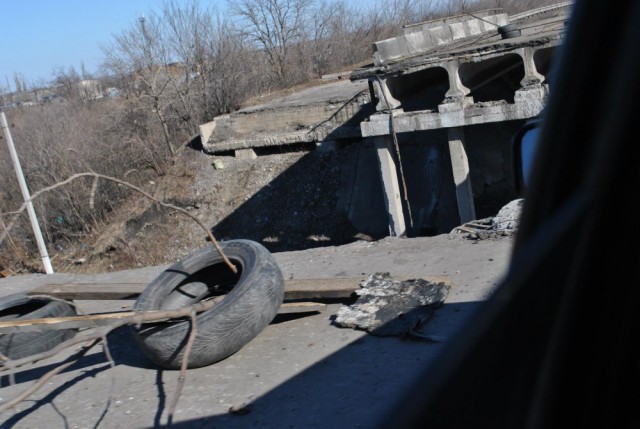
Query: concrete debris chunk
509, 216
387, 307
505, 223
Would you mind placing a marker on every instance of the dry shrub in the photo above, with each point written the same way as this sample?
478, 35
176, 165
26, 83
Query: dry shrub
57, 140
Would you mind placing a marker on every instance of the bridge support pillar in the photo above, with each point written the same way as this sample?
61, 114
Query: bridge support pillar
461, 177
457, 91
531, 75
391, 101
389, 176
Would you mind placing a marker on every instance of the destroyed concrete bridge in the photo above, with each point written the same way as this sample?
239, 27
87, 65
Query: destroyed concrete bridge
437, 108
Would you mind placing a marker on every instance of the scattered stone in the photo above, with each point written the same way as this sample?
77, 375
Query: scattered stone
240, 410
387, 307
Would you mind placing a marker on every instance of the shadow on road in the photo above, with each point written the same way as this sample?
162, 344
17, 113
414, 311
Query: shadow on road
351, 388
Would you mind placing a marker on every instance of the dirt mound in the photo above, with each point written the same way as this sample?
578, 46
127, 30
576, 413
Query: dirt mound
286, 201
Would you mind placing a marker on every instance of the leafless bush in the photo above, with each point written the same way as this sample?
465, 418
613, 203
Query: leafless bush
55, 141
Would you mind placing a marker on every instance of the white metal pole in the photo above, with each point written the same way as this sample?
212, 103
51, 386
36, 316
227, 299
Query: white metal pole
25, 195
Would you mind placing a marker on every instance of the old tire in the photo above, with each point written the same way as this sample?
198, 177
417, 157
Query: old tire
22, 307
252, 302
509, 31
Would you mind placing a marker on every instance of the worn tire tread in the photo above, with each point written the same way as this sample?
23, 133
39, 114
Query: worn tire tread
221, 331
23, 344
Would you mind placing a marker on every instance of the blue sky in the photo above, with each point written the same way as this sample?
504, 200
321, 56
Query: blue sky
38, 35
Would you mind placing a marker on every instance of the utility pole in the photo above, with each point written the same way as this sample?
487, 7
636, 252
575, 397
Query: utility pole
25, 195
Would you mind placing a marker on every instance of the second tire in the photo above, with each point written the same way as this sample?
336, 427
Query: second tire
253, 299
22, 307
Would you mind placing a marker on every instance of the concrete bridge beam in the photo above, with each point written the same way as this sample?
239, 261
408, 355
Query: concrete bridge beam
389, 176
461, 177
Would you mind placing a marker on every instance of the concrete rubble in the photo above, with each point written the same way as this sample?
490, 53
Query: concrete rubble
387, 307
508, 217
504, 223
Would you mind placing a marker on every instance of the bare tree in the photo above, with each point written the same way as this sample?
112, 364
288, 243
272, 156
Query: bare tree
213, 57
140, 54
276, 26
65, 81
4, 96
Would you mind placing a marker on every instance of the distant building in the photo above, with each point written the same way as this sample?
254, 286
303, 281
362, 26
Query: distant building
89, 89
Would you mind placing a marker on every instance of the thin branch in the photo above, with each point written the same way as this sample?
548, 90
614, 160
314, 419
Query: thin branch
6, 229
11, 365
112, 364
107, 352
28, 392
12, 377
183, 368
100, 336
140, 191
136, 318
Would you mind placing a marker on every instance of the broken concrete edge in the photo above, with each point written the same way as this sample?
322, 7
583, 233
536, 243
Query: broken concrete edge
283, 139
290, 122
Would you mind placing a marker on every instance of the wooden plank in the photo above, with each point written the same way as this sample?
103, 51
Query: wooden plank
294, 289
301, 307
105, 319
90, 291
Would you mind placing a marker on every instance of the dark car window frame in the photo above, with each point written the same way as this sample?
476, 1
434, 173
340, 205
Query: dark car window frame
559, 342
516, 158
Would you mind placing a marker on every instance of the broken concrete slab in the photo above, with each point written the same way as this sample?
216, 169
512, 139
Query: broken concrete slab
387, 307
331, 111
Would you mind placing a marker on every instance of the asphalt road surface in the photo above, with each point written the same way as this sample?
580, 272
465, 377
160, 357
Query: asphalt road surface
299, 372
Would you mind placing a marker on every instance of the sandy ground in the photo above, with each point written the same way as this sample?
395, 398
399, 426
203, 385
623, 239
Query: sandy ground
300, 372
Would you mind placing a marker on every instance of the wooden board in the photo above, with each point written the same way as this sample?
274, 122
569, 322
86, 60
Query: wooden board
294, 289
106, 319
